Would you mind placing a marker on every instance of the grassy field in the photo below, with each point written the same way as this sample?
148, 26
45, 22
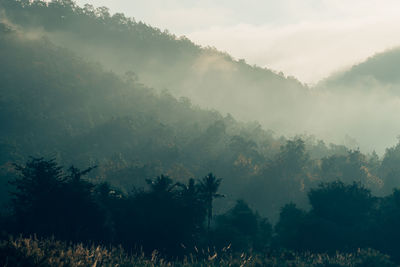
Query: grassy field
48, 252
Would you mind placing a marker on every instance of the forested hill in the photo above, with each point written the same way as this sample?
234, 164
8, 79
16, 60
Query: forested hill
54, 103
58, 103
164, 61
380, 70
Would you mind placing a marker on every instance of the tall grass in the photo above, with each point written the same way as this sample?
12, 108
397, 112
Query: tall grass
49, 252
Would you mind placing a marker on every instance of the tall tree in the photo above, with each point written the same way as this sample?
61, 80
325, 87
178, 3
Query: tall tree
209, 186
36, 196
161, 186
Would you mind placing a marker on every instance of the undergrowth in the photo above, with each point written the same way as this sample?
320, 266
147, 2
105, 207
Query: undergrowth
49, 252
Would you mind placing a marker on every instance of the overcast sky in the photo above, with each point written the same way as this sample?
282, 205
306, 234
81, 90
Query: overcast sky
308, 39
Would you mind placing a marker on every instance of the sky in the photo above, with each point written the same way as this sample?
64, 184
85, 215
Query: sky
307, 39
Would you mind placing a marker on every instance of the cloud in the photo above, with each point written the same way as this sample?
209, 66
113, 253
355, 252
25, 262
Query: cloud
309, 51
308, 39
190, 19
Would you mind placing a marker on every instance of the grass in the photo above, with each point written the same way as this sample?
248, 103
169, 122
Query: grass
49, 252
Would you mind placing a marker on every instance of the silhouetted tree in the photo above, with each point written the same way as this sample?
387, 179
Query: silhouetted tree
83, 218
242, 228
345, 204
193, 204
36, 199
48, 201
161, 186
288, 230
340, 216
209, 186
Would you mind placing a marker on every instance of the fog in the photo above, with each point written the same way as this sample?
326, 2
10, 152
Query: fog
183, 148
307, 39
363, 111
349, 107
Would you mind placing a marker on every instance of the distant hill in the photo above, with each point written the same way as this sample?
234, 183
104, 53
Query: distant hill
381, 69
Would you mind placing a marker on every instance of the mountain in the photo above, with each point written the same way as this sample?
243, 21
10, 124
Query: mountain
56, 104
380, 69
56, 101
210, 78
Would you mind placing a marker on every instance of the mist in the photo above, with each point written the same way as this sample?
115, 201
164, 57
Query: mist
214, 80
119, 134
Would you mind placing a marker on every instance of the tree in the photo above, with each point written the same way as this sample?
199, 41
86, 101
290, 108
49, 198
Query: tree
288, 229
340, 216
48, 201
243, 228
193, 205
36, 196
193, 213
344, 204
83, 218
161, 186
390, 168
209, 186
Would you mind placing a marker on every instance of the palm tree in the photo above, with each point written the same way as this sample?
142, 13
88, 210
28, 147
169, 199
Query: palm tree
209, 186
161, 185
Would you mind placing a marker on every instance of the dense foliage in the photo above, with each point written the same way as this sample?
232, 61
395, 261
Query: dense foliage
168, 216
176, 219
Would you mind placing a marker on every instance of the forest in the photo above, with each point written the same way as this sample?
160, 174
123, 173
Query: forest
125, 151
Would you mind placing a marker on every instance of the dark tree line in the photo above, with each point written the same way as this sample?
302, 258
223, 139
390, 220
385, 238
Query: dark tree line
176, 218
169, 216
343, 217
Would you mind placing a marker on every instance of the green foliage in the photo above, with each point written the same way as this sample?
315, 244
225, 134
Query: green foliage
342, 217
288, 229
344, 203
167, 216
56, 203
389, 169
242, 229
171, 217
209, 186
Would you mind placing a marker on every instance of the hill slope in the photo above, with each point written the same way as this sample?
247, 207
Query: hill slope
379, 70
208, 77
54, 103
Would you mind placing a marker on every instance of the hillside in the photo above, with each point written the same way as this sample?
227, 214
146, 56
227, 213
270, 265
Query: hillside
54, 103
161, 60
57, 102
380, 69
209, 78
